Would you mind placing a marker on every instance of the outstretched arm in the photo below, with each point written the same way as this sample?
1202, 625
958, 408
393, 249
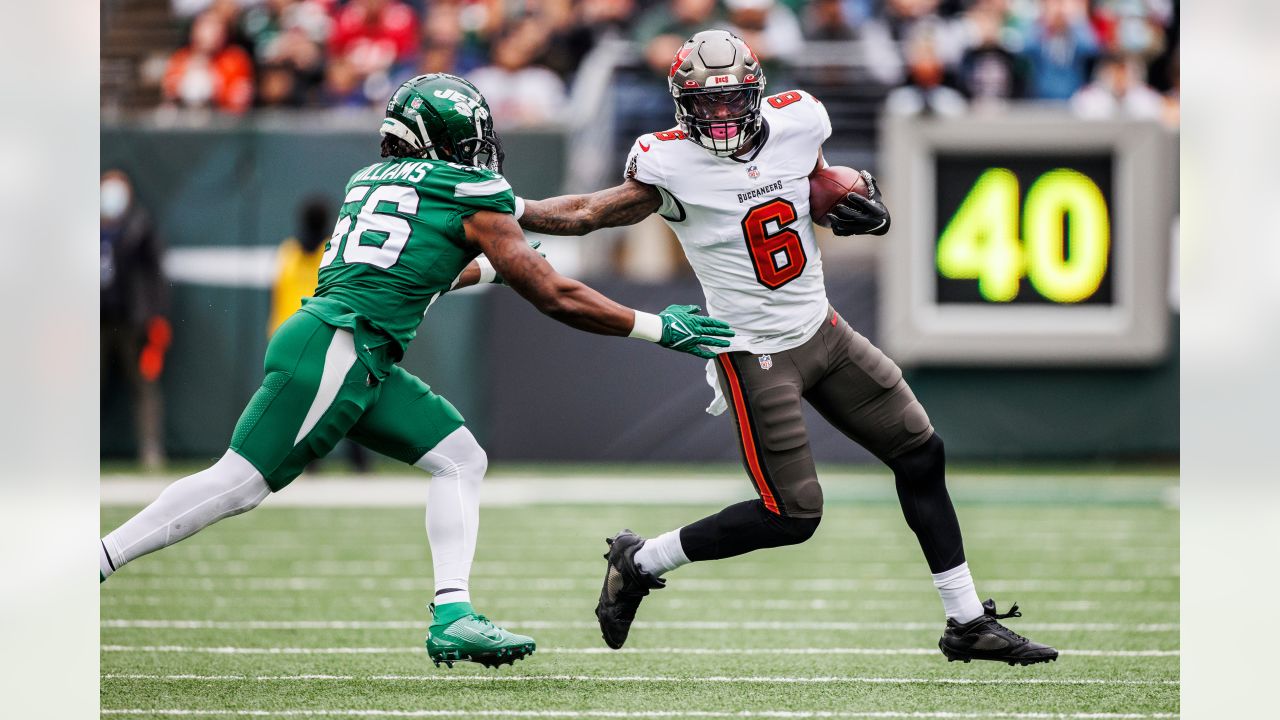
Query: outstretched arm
499, 237
678, 327
480, 271
626, 204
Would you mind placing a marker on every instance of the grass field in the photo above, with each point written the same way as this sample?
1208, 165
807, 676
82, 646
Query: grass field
321, 611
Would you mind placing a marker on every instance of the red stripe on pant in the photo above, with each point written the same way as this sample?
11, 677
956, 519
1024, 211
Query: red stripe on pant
744, 426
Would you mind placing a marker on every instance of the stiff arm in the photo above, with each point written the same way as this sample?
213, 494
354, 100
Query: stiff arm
625, 204
679, 327
499, 238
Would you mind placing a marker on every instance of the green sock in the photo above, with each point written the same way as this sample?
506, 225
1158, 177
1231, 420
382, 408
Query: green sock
446, 614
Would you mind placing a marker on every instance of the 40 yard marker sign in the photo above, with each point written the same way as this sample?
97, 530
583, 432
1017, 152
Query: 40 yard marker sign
1030, 239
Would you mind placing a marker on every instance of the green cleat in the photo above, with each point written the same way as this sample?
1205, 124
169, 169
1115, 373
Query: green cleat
459, 633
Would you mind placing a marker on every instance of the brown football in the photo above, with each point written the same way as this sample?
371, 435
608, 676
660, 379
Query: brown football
829, 185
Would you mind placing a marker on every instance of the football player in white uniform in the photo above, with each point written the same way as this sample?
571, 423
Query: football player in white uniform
732, 180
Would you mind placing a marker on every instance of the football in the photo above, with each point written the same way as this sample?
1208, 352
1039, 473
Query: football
829, 185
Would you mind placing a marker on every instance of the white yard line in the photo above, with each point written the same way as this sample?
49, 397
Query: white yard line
557, 584
411, 491
633, 714
417, 650
693, 680
587, 625
529, 489
756, 605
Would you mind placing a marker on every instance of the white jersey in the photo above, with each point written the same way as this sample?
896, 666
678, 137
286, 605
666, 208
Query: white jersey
744, 223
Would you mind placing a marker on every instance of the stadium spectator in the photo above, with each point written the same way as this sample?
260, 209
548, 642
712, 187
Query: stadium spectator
135, 334
1059, 50
1132, 27
895, 28
343, 86
769, 27
373, 40
592, 21
605, 18
442, 37
288, 37
826, 20
520, 92
265, 25
209, 72
988, 71
925, 92
681, 18
192, 8
1118, 90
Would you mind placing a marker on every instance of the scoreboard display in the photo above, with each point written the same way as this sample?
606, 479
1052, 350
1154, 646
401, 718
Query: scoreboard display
1026, 240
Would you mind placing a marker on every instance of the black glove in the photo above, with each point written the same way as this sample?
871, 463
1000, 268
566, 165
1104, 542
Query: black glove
857, 215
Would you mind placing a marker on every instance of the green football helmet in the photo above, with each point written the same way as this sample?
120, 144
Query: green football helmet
444, 117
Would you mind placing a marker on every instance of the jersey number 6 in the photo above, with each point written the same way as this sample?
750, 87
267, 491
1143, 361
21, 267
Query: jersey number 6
776, 251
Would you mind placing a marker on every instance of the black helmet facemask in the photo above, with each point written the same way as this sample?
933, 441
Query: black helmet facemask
721, 120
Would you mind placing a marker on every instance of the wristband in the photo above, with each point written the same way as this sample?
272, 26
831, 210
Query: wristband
647, 327
487, 273
519, 207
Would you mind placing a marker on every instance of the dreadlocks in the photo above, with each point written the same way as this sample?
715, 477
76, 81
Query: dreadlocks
393, 146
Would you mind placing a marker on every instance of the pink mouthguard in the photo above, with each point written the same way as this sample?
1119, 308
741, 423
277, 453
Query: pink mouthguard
724, 131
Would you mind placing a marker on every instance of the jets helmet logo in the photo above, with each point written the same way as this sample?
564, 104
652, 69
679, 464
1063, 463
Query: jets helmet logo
462, 104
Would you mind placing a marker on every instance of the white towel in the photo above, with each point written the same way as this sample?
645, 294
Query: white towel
718, 404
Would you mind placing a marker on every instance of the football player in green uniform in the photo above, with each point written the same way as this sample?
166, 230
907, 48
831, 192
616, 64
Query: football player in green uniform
436, 215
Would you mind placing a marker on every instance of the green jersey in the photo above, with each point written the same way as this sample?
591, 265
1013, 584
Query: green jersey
398, 245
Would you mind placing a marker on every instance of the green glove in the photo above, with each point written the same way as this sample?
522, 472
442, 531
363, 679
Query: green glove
685, 330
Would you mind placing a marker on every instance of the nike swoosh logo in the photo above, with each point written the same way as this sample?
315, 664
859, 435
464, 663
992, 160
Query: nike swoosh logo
643, 146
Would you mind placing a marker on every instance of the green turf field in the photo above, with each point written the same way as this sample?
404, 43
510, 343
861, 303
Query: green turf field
321, 612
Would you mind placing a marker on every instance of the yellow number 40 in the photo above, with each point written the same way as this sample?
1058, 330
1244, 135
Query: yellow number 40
981, 241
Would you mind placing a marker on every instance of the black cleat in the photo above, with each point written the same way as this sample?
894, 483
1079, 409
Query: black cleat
625, 585
984, 638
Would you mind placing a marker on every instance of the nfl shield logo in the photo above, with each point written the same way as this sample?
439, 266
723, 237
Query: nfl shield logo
754, 172
766, 361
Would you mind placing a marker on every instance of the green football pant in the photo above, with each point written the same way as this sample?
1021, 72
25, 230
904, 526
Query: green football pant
316, 391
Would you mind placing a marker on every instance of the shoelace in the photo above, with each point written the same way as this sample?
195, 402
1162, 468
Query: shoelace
477, 616
989, 609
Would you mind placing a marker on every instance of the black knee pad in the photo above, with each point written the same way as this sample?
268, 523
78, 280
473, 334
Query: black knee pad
794, 530
922, 464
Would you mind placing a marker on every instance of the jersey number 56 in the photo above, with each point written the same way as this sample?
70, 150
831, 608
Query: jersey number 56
379, 235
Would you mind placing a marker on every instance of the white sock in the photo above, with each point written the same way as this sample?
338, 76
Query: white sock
959, 598
189, 505
661, 554
457, 466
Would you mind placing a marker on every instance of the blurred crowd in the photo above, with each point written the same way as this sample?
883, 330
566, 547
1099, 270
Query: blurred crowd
1104, 58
